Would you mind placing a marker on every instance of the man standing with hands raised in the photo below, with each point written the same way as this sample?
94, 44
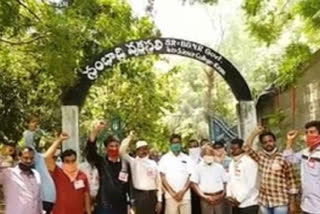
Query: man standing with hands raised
145, 177
278, 187
114, 187
71, 183
309, 158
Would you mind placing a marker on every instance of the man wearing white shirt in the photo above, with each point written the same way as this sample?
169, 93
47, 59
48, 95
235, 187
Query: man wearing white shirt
209, 182
242, 191
145, 178
175, 170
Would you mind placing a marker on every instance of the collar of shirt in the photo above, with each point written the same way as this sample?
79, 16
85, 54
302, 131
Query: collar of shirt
314, 154
238, 158
276, 154
118, 160
177, 156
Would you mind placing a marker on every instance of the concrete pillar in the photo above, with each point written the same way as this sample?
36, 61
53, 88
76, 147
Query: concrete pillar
70, 124
247, 117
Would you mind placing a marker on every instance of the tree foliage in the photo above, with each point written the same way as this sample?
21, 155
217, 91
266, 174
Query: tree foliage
137, 95
293, 23
42, 44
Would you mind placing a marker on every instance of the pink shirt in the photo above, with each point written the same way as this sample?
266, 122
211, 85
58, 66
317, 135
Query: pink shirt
22, 192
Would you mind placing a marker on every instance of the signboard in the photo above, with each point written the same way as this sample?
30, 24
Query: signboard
105, 60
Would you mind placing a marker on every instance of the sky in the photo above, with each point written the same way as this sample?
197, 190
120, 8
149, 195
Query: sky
199, 23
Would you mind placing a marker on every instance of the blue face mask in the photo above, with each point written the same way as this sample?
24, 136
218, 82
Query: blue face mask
175, 147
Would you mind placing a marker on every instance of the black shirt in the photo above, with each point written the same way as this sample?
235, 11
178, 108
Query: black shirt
112, 192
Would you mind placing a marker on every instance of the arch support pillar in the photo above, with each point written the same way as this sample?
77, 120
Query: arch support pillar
70, 124
247, 117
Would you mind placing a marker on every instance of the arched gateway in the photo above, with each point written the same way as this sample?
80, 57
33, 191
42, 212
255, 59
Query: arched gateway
75, 96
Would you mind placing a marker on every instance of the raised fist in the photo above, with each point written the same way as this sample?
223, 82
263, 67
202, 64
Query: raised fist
64, 136
292, 135
101, 126
259, 129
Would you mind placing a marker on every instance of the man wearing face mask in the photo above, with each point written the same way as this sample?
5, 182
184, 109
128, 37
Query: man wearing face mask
48, 187
194, 150
21, 181
175, 170
220, 154
209, 182
72, 185
242, 191
114, 186
194, 154
278, 188
145, 177
309, 158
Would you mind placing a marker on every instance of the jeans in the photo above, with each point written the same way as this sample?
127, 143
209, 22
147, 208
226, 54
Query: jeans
274, 210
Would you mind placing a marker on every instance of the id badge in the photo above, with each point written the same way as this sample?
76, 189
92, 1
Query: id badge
78, 184
123, 176
151, 172
312, 164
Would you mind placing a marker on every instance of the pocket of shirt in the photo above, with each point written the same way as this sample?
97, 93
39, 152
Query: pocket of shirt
313, 167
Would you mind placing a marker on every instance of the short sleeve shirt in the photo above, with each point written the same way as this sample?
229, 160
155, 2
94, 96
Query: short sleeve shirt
177, 170
210, 178
70, 195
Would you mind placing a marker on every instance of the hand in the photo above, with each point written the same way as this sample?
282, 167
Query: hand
214, 199
292, 135
207, 198
233, 201
158, 207
132, 135
179, 196
100, 126
63, 136
259, 129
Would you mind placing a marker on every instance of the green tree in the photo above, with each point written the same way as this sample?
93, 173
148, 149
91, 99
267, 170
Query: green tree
42, 44
136, 94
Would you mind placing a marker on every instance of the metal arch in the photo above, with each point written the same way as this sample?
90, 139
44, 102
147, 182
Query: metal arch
77, 94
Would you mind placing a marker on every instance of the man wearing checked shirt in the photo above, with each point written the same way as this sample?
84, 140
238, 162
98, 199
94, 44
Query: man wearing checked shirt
278, 187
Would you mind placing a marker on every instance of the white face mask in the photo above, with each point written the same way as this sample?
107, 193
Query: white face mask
272, 152
208, 159
194, 153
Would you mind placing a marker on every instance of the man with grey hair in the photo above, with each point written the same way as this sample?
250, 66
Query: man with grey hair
145, 177
209, 182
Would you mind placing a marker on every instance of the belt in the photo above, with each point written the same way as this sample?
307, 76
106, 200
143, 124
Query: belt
214, 194
145, 191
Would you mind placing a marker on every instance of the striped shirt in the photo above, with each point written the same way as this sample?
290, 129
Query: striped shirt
22, 191
277, 179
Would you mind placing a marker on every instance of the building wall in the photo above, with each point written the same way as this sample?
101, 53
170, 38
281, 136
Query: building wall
299, 104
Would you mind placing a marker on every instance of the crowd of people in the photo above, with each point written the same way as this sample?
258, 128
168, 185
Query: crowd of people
132, 178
